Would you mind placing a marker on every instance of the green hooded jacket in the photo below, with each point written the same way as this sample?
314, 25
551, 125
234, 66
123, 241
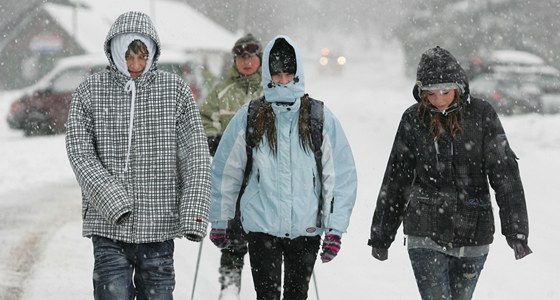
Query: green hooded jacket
226, 98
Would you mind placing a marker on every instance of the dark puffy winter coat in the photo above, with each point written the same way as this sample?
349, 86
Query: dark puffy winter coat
439, 188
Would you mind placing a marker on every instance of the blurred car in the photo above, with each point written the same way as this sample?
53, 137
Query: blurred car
508, 94
43, 107
505, 61
331, 62
526, 69
551, 102
549, 83
550, 89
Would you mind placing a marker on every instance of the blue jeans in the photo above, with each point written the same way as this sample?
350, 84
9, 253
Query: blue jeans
441, 276
124, 271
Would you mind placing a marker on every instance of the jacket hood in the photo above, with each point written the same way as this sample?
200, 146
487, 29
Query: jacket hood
136, 24
439, 69
282, 92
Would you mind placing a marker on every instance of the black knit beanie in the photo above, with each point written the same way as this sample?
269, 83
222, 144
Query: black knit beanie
439, 69
282, 58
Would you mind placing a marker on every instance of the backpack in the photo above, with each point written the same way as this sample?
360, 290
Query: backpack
315, 119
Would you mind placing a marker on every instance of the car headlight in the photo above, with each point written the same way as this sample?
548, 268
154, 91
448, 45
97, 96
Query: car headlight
341, 60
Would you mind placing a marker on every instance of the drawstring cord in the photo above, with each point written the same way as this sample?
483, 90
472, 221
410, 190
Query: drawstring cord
130, 87
445, 112
437, 153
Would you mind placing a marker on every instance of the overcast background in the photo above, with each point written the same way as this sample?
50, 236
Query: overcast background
465, 27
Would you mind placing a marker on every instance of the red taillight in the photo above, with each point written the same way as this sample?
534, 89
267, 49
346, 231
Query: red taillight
477, 61
195, 93
15, 107
497, 96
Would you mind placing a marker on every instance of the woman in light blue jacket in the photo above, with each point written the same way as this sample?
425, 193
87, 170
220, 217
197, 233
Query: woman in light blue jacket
280, 205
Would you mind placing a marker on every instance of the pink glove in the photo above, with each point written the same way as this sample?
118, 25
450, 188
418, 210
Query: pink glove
331, 246
219, 238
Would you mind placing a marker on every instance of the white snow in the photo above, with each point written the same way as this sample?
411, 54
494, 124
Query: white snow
368, 99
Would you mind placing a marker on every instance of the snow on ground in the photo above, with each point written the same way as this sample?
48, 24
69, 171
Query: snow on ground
368, 98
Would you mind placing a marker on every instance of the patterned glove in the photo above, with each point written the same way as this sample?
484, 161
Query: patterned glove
331, 246
219, 238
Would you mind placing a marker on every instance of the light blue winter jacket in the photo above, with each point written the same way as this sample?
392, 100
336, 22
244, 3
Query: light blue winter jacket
281, 198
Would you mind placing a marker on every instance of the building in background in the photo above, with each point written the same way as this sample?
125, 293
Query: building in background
42, 34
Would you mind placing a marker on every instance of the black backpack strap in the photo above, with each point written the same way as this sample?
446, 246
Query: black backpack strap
316, 119
252, 113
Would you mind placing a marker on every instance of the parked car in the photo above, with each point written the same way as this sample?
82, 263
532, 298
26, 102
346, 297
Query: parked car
550, 89
508, 94
547, 78
43, 108
521, 69
505, 61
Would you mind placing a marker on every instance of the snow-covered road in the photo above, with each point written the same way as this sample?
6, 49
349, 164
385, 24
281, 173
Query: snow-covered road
43, 256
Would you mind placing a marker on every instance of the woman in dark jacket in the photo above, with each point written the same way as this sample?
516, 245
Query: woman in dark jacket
448, 147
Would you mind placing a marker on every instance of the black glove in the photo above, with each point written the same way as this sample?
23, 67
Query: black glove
213, 142
380, 253
519, 246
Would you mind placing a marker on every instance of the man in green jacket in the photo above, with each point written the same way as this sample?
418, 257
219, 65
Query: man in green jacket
241, 86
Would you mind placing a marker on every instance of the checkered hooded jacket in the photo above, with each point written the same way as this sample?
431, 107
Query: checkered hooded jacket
138, 150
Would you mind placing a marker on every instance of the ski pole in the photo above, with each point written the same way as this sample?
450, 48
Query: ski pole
315, 284
196, 269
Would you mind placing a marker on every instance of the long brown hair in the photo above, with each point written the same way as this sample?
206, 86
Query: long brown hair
265, 125
453, 118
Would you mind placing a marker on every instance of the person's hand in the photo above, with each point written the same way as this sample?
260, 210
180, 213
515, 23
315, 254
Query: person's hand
519, 246
380, 253
219, 238
331, 246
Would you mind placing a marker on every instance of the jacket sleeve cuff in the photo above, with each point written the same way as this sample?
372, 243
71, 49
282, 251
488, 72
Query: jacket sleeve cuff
220, 224
334, 231
378, 244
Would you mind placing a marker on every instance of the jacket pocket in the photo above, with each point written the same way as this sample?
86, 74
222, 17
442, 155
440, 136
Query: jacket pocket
420, 213
251, 193
85, 207
316, 184
474, 220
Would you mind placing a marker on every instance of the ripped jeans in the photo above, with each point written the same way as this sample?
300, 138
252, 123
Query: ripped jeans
442, 276
124, 271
